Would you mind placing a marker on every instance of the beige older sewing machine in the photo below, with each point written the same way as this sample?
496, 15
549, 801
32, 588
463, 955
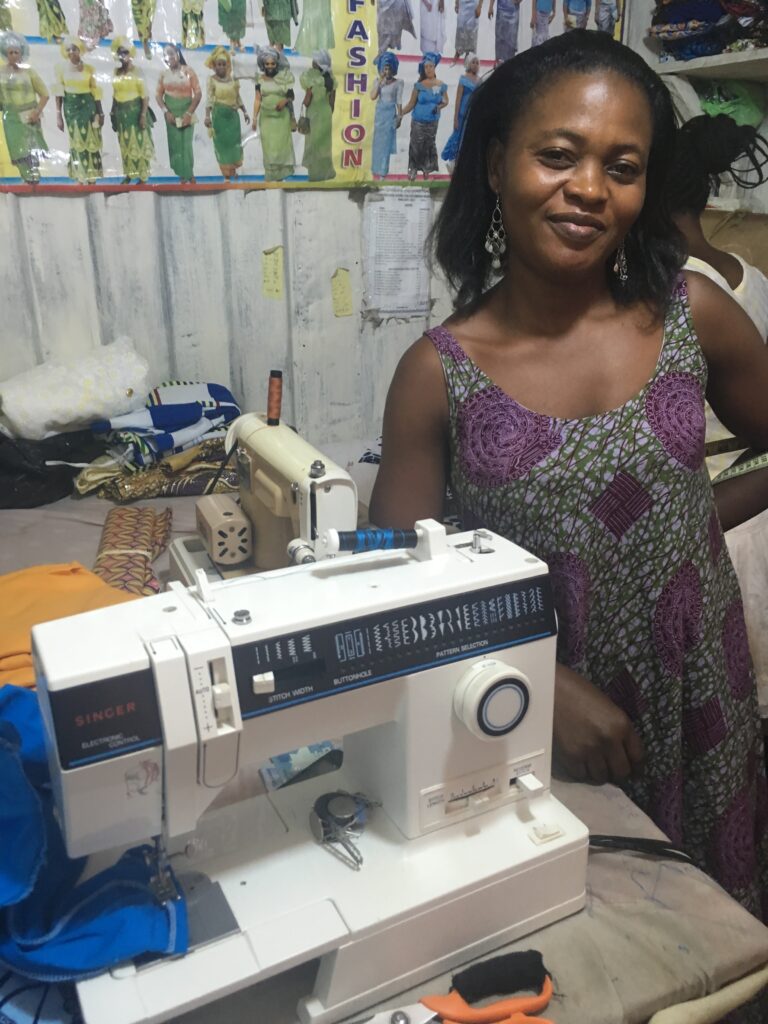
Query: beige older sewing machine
435, 664
290, 494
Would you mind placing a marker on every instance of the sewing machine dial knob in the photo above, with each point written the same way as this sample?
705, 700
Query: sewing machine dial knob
491, 699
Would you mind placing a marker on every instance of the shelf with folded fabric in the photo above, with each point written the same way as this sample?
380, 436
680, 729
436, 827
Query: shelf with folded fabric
751, 65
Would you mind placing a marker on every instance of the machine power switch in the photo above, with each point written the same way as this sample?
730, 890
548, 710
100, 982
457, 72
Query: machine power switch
529, 784
491, 699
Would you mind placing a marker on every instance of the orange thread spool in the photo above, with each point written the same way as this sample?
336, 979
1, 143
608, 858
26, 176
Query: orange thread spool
274, 397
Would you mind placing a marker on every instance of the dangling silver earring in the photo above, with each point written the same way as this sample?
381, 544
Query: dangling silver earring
496, 239
620, 265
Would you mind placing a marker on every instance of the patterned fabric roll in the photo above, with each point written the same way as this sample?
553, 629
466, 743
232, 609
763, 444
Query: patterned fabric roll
131, 540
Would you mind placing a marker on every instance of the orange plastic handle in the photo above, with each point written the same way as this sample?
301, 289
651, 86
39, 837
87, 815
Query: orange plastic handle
454, 1009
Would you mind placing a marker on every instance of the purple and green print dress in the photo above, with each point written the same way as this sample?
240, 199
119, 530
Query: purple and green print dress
620, 507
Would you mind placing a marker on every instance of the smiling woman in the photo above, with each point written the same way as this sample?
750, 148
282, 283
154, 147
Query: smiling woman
563, 403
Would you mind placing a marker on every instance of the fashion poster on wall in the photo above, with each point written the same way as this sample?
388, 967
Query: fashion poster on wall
179, 94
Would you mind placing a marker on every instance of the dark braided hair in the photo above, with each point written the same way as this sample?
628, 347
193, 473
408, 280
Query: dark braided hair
654, 247
707, 147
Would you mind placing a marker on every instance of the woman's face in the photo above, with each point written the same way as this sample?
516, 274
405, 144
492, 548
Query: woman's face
73, 52
429, 69
387, 72
474, 66
270, 67
571, 177
13, 56
124, 56
171, 57
221, 67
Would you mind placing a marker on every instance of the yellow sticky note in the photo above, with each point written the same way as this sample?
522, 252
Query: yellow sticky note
341, 293
272, 273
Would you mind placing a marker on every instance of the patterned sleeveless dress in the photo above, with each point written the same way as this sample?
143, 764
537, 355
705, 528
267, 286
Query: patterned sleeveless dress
620, 507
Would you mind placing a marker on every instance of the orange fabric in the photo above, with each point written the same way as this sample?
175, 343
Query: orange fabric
39, 594
454, 1009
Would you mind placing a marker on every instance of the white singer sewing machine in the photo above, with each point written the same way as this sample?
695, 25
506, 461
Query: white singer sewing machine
436, 665
290, 494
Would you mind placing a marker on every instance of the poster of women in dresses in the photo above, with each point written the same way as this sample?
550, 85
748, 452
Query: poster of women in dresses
81, 112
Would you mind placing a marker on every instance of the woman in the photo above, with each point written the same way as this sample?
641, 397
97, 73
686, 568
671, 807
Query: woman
387, 92
232, 21
277, 16
428, 98
95, 22
468, 82
393, 17
222, 113
564, 404
178, 96
143, 15
507, 27
23, 96
431, 25
78, 103
706, 148
319, 100
467, 22
192, 24
316, 28
272, 108
53, 24
131, 116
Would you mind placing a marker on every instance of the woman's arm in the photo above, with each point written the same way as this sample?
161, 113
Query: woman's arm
459, 94
332, 100
410, 484
411, 103
42, 97
256, 103
741, 498
737, 359
593, 739
197, 94
307, 98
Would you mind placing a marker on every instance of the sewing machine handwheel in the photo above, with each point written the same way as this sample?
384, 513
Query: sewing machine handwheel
491, 699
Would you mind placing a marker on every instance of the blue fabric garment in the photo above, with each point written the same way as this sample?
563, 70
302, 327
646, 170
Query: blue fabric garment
385, 126
428, 99
451, 148
177, 415
53, 929
62, 934
507, 29
20, 818
23, 767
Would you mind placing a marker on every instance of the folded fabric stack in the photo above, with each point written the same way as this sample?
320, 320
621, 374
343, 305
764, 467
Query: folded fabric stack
177, 415
45, 417
191, 472
686, 29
